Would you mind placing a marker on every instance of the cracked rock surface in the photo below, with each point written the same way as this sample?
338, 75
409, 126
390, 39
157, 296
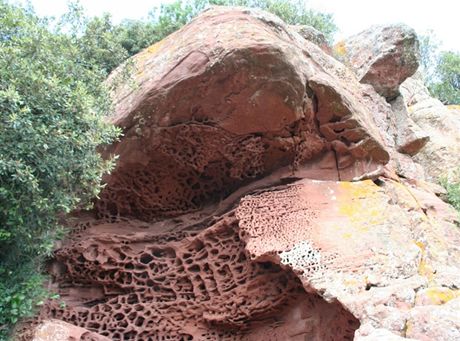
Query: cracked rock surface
257, 196
383, 56
232, 96
441, 123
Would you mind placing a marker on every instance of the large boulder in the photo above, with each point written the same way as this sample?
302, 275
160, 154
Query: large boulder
230, 214
232, 96
441, 156
383, 56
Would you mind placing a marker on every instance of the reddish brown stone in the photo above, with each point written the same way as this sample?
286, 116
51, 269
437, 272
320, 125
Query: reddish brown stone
127, 282
383, 56
212, 107
228, 215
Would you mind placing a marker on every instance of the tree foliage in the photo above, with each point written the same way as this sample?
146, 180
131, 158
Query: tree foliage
446, 85
429, 54
440, 69
167, 18
52, 103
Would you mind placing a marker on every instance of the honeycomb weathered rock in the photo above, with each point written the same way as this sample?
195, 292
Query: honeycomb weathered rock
186, 286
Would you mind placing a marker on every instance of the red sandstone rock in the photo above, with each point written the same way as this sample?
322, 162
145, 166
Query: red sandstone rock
55, 330
127, 282
383, 56
226, 219
232, 96
349, 242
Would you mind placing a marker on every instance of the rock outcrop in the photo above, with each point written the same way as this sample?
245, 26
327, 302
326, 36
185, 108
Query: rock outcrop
383, 56
312, 34
257, 196
441, 156
410, 138
232, 96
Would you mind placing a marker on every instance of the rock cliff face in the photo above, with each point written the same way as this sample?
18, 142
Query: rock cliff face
262, 193
441, 123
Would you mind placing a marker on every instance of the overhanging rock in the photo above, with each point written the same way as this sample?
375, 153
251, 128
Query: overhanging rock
228, 215
231, 97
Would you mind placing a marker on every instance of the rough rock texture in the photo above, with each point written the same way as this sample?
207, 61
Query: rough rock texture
383, 56
230, 216
214, 106
372, 249
435, 323
56, 330
441, 156
410, 138
312, 34
133, 283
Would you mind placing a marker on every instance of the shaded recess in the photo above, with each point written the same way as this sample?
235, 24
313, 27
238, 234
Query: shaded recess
141, 285
190, 165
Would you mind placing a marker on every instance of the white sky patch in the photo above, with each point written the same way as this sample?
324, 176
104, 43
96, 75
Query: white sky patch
351, 16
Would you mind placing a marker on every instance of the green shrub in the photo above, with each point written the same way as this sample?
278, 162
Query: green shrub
52, 104
453, 193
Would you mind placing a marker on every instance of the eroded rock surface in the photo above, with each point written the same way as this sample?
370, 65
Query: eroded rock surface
383, 56
135, 284
441, 156
312, 34
230, 215
372, 249
230, 97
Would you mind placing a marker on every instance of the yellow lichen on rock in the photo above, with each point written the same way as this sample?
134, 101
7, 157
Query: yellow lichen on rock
436, 296
339, 49
361, 213
442, 296
146, 54
424, 268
